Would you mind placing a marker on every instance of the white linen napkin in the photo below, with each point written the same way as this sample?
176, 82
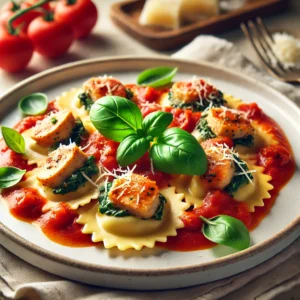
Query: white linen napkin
278, 278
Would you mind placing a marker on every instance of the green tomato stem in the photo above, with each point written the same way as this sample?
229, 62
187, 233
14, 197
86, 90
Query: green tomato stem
16, 6
71, 2
49, 16
21, 12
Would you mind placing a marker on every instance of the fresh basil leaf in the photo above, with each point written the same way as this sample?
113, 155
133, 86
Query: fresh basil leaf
10, 176
116, 117
247, 141
106, 207
238, 180
34, 104
77, 179
131, 149
178, 152
13, 139
204, 130
227, 231
156, 123
86, 101
156, 77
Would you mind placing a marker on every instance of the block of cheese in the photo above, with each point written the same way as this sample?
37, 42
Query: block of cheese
195, 10
165, 13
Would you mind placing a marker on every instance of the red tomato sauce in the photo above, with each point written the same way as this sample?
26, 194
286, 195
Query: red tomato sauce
9, 158
59, 224
25, 203
276, 159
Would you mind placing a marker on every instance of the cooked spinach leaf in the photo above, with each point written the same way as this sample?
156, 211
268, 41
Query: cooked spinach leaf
204, 130
238, 180
159, 213
217, 101
107, 207
77, 179
248, 141
86, 101
129, 93
54, 120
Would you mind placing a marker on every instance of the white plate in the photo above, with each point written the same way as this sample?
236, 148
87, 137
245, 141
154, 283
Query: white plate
156, 268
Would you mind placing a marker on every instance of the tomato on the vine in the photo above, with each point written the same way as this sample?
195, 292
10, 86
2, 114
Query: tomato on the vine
15, 50
51, 38
80, 14
11, 8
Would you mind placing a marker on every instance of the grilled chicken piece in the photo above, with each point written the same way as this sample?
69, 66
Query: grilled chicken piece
98, 87
61, 164
220, 171
227, 122
136, 194
195, 90
54, 128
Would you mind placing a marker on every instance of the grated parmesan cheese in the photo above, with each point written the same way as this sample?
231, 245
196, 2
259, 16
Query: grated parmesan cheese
241, 113
287, 49
229, 154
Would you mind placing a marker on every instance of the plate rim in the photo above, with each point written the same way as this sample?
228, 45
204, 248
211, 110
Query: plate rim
218, 262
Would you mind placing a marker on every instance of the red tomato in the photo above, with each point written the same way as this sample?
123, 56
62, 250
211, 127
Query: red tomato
15, 51
9, 10
103, 149
184, 118
80, 14
221, 203
29, 3
149, 94
254, 111
50, 38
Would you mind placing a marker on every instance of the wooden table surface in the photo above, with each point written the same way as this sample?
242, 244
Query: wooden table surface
108, 40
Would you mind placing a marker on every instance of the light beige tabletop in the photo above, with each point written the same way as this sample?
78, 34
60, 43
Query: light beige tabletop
108, 40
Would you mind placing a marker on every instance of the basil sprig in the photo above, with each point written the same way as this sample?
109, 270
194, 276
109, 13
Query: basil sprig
13, 139
34, 104
156, 123
131, 149
156, 77
10, 176
227, 231
173, 150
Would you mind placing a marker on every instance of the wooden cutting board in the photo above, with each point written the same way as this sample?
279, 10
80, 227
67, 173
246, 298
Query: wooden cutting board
126, 15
